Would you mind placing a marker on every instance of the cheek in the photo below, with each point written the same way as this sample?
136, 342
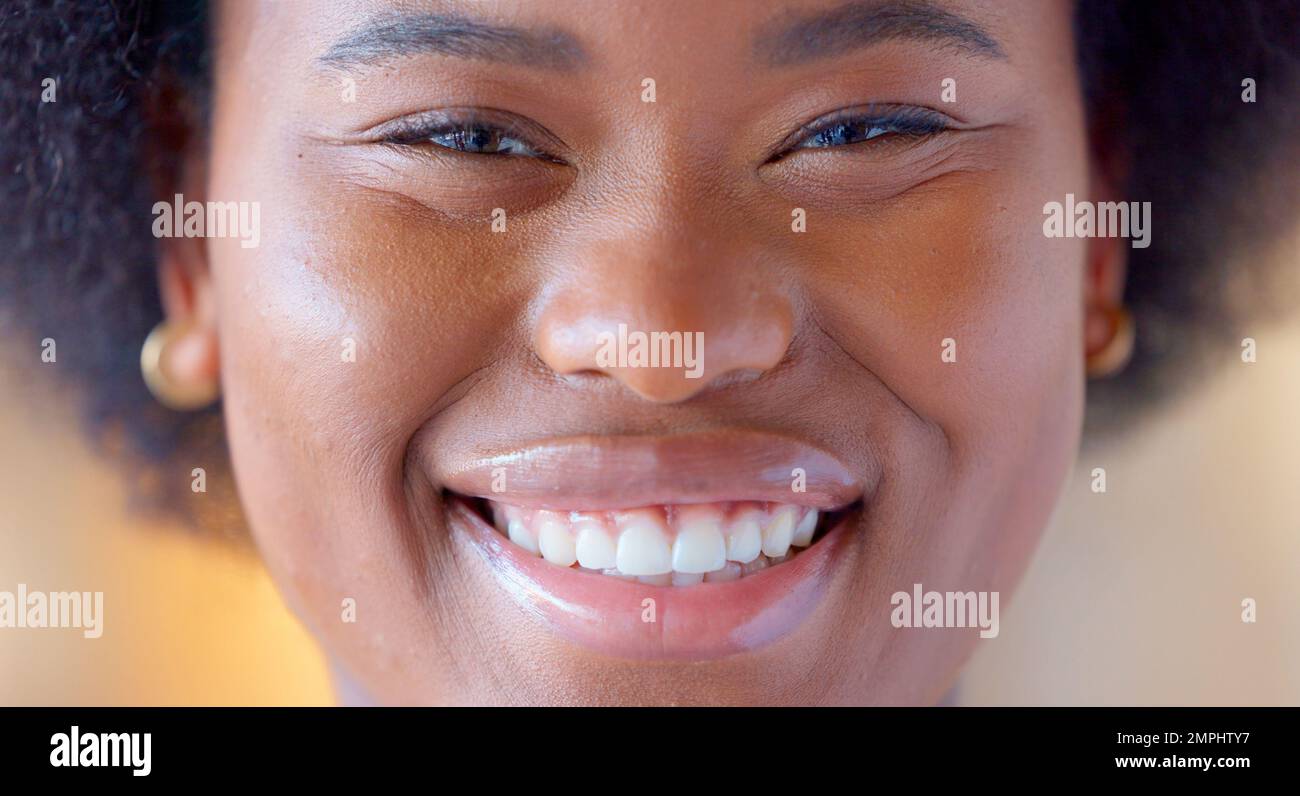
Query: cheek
953, 298
340, 334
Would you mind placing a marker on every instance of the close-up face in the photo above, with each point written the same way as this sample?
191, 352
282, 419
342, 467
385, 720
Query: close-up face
459, 460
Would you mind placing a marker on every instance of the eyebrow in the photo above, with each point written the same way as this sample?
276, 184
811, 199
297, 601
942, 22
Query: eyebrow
392, 37
861, 24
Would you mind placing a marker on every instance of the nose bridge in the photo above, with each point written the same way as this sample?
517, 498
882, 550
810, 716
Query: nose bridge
673, 301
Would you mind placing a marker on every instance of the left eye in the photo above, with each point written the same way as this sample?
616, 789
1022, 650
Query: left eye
843, 129
481, 140
844, 133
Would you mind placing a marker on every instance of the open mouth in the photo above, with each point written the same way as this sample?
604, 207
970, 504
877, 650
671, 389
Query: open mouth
664, 545
687, 547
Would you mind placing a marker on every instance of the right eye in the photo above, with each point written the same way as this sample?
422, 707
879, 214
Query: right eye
465, 133
479, 140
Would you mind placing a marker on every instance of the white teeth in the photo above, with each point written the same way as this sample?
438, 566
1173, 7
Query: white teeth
519, 532
554, 539
803, 532
699, 546
779, 531
729, 572
643, 543
687, 578
594, 548
745, 535
664, 545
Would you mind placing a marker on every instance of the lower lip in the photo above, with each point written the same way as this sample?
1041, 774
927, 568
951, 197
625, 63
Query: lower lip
612, 616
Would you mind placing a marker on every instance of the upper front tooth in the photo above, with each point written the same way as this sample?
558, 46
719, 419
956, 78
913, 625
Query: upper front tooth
554, 538
803, 532
699, 546
779, 531
595, 549
745, 535
519, 532
643, 543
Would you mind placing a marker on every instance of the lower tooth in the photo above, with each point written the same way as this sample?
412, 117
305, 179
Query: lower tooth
729, 572
732, 571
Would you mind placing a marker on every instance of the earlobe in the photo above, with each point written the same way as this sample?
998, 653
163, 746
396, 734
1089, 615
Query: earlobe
178, 366
1110, 336
179, 360
1108, 329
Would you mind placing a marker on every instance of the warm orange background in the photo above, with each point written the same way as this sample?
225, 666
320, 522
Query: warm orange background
1133, 598
186, 621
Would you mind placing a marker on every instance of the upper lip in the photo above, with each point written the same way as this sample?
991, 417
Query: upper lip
599, 473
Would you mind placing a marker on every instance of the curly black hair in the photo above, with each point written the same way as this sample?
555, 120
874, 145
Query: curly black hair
1162, 81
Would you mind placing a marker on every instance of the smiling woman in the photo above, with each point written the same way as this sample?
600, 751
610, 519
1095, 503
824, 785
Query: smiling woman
462, 205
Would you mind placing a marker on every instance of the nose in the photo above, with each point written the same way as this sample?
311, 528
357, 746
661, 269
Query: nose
667, 316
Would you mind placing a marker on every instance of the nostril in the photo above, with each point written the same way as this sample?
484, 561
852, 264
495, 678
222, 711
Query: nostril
584, 375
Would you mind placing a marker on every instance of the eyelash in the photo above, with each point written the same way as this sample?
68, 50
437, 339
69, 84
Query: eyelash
856, 126
467, 134
843, 128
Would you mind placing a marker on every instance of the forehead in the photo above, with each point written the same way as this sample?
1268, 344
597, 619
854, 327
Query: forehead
615, 35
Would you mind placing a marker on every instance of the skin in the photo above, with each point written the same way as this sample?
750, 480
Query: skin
667, 218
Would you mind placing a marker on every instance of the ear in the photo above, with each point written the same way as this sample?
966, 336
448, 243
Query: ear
178, 166
190, 358
1107, 260
1103, 292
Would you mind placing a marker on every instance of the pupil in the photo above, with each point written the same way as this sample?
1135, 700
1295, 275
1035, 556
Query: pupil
482, 140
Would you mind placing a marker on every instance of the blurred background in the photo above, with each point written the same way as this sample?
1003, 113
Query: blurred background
1134, 596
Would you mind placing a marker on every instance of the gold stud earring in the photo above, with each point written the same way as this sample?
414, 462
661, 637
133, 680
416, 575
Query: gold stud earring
1112, 357
166, 390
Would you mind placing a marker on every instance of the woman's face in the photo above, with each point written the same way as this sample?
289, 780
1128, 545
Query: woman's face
422, 324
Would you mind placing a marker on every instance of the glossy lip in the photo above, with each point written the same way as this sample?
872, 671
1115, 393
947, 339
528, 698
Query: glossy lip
691, 623
606, 473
